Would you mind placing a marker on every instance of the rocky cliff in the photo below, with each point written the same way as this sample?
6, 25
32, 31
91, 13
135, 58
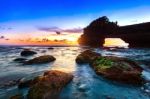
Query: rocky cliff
137, 35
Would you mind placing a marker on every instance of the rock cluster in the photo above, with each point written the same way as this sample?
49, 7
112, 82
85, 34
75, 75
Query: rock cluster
113, 68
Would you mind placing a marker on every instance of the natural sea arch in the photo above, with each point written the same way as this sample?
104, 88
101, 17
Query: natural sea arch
115, 42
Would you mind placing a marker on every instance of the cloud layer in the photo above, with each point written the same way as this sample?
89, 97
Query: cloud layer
57, 29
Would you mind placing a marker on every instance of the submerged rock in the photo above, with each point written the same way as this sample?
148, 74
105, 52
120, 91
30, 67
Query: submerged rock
23, 83
43, 51
20, 59
9, 83
18, 96
41, 60
50, 48
86, 57
27, 53
49, 85
118, 69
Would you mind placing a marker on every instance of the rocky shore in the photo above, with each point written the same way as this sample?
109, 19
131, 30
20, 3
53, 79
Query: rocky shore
114, 68
93, 70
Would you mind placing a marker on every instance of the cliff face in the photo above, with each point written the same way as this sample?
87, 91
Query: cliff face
136, 35
95, 33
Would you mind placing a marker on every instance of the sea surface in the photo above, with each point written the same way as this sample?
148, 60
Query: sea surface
85, 84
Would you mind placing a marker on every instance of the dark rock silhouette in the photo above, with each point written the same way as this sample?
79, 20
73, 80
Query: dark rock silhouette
20, 59
87, 57
27, 53
94, 34
41, 60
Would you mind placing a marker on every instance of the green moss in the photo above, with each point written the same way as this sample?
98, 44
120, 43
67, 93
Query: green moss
103, 63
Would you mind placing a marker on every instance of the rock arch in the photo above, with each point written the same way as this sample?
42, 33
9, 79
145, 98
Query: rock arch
137, 35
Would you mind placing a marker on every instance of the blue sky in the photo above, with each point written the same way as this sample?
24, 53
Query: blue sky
14, 10
26, 16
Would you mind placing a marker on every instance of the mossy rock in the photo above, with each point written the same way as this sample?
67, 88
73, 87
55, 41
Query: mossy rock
49, 85
87, 57
41, 60
118, 69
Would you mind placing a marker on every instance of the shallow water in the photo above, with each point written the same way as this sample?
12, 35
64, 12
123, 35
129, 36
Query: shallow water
85, 84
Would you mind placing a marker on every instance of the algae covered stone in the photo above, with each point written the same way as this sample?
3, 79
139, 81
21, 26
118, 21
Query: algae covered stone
49, 85
118, 69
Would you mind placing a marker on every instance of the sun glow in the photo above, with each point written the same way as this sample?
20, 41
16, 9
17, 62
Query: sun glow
115, 42
43, 39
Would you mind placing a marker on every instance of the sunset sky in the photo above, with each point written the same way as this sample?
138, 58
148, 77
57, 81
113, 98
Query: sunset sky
47, 22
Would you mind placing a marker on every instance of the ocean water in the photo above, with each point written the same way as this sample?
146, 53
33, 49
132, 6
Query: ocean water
85, 84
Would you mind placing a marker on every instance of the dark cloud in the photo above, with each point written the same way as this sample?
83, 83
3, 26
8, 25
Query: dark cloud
7, 39
50, 29
2, 37
74, 30
59, 30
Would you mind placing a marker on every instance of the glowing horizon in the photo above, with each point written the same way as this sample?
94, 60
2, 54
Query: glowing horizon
29, 21
115, 42
42, 39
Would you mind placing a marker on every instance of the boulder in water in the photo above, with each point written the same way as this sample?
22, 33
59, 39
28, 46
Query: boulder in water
49, 85
87, 57
41, 60
27, 53
24, 83
20, 59
50, 48
118, 69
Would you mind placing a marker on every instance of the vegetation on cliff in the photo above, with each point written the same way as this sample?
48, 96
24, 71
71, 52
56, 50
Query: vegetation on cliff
95, 32
137, 35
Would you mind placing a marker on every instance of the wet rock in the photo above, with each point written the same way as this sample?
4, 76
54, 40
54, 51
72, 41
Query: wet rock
49, 85
18, 96
23, 83
20, 59
27, 53
43, 51
50, 48
9, 84
118, 69
86, 57
41, 60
